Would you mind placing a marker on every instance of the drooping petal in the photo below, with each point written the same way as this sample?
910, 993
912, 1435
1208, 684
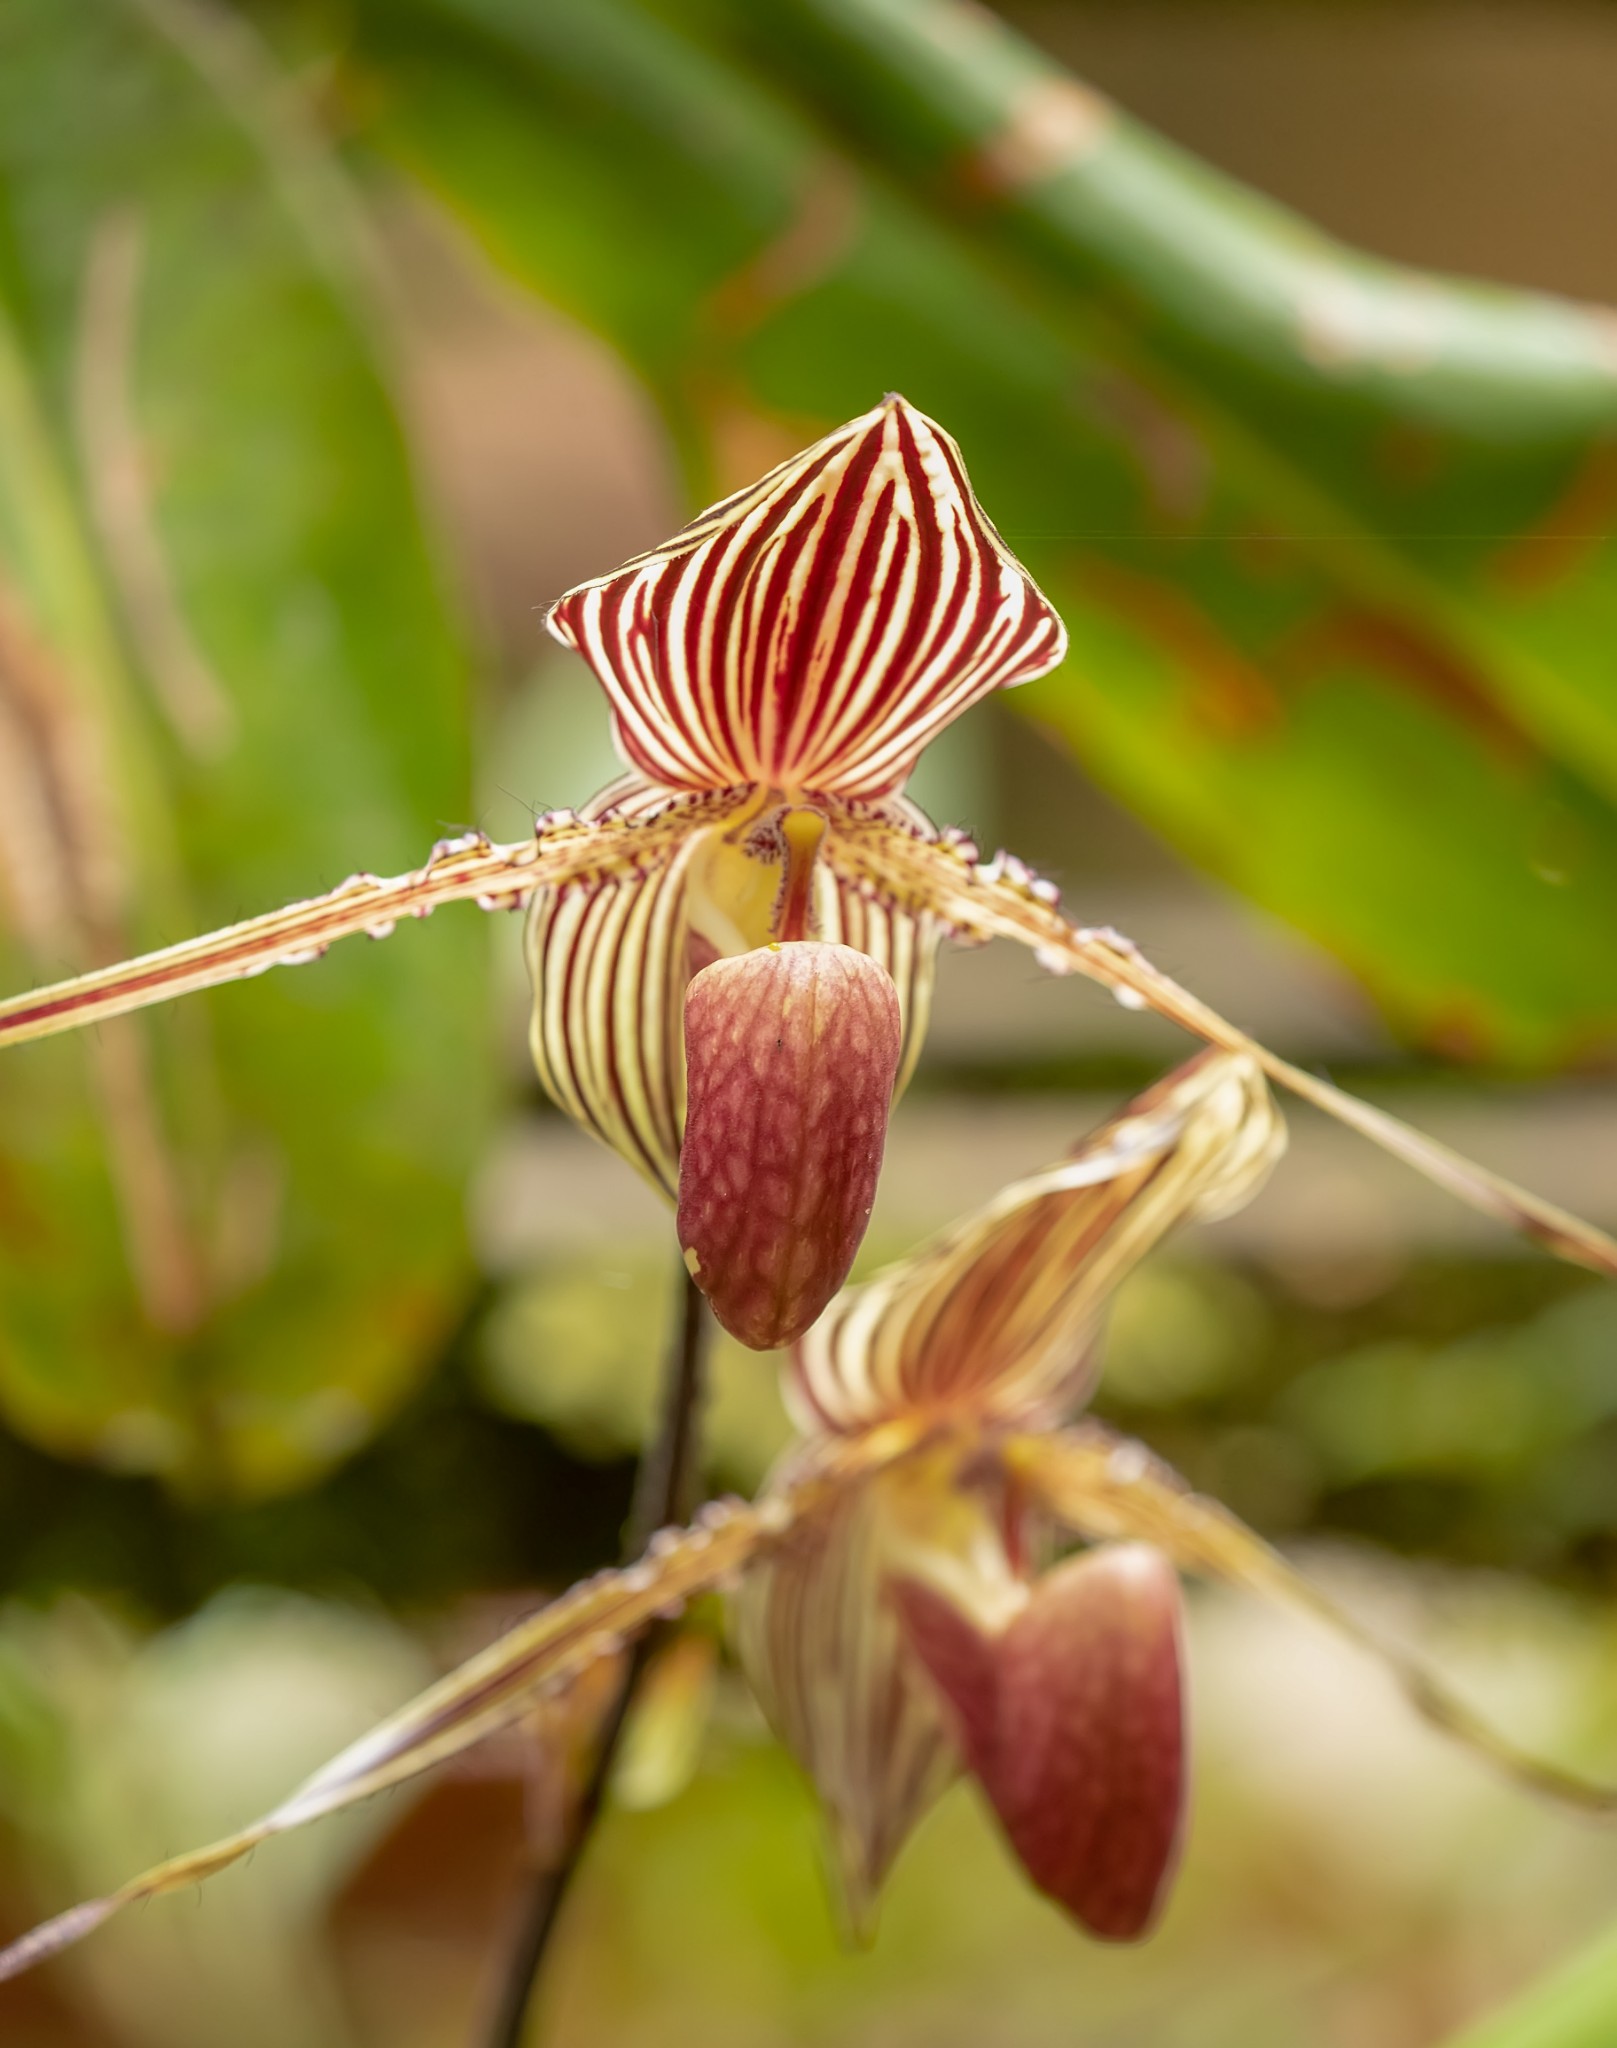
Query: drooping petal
609, 961
1071, 1717
815, 631
996, 1314
825, 1653
501, 1685
1000, 899
791, 1053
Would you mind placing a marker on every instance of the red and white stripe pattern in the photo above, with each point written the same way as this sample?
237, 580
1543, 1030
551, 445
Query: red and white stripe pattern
610, 958
814, 632
997, 1315
609, 962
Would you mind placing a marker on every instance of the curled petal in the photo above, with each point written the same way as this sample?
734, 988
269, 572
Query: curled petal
1071, 1717
997, 1313
818, 629
825, 1653
791, 1053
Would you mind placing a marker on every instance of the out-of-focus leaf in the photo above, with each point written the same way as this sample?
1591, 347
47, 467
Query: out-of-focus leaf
574, 1345
1451, 446
1528, 1401
231, 1234
1573, 2007
662, 1739
1331, 721
170, 1736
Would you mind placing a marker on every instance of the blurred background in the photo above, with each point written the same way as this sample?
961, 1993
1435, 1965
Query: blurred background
336, 339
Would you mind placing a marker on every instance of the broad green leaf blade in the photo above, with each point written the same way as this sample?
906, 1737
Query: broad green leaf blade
234, 1232
1451, 447
1308, 716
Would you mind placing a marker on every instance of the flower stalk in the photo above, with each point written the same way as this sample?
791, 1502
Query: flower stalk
665, 1487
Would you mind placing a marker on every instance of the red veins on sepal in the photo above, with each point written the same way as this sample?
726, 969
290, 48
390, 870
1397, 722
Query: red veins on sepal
1072, 1719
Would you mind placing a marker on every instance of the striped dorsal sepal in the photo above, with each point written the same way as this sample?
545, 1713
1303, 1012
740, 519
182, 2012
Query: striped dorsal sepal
816, 630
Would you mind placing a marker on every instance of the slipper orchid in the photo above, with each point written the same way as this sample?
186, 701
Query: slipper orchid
773, 671
895, 1614
905, 1630
785, 659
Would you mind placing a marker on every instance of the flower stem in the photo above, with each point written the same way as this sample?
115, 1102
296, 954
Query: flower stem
664, 1493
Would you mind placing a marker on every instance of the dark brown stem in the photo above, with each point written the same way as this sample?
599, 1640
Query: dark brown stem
664, 1493
666, 1488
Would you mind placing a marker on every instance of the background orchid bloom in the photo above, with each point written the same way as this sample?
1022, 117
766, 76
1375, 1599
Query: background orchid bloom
909, 1631
785, 657
894, 1616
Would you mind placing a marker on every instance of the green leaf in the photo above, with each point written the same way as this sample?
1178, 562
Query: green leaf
1572, 2007
1329, 723
1448, 449
227, 675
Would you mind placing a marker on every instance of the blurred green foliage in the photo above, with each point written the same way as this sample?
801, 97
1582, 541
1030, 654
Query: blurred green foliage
1330, 538
1574, 2007
227, 675
1335, 545
1462, 1410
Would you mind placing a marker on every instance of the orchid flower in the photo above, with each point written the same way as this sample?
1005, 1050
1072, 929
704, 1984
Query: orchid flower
896, 1613
747, 920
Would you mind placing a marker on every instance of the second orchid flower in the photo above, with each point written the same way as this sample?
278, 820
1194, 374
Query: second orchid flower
898, 1613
